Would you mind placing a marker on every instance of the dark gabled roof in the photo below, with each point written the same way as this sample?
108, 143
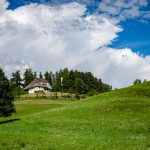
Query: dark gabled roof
37, 82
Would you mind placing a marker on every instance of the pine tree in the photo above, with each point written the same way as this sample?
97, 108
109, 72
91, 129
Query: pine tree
16, 83
137, 81
48, 77
16, 78
28, 76
6, 96
35, 75
79, 85
40, 76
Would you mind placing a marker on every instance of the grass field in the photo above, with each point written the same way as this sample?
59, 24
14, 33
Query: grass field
118, 120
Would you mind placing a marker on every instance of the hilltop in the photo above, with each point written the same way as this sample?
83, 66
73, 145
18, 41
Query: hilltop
114, 120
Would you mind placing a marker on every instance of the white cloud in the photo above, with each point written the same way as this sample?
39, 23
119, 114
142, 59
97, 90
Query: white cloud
4, 4
146, 14
123, 9
41, 33
118, 67
118, 9
49, 38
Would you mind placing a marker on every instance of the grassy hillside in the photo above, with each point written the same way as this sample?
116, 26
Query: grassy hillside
116, 120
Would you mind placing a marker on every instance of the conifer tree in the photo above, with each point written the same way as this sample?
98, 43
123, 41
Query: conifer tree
16, 83
28, 77
6, 96
40, 75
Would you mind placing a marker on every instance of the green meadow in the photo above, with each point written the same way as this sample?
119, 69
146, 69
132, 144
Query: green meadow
117, 120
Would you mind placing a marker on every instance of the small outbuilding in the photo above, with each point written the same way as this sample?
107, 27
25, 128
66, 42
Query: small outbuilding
38, 84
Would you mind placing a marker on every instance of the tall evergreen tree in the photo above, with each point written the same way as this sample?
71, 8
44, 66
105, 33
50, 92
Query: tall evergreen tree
6, 96
40, 75
16, 78
28, 76
137, 81
48, 77
16, 83
79, 86
35, 75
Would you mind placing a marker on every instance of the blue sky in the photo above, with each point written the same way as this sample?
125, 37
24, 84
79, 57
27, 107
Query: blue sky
136, 33
110, 38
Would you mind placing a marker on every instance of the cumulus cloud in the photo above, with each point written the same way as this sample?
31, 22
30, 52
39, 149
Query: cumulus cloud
55, 36
122, 9
46, 37
118, 67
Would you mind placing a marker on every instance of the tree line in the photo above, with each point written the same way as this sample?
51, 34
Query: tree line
138, 81
74, 81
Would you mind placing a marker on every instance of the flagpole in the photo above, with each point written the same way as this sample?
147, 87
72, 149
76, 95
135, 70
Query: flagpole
62, 84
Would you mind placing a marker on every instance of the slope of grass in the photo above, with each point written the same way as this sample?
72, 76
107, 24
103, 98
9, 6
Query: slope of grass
30, 106
116, 120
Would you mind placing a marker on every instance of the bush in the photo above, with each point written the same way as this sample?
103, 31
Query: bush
92, 93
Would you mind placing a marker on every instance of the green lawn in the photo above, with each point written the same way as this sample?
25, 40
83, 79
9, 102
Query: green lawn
25, 107
116, 120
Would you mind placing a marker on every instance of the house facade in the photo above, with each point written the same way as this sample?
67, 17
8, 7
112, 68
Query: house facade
38, 85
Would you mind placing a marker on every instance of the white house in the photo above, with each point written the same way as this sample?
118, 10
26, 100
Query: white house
38, 85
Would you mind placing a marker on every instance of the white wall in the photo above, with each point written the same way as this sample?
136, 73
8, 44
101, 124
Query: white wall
36, 89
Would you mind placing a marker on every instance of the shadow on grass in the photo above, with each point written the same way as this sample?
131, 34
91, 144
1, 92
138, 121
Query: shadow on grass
9, 121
